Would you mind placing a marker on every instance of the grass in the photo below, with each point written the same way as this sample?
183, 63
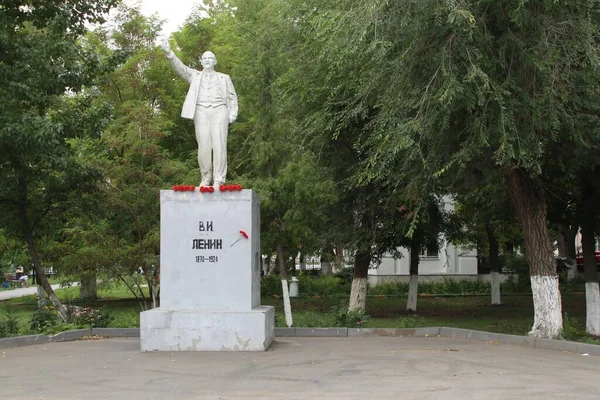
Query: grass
118, 300
515, 316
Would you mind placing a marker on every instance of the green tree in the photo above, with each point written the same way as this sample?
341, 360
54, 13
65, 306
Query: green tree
483, 204
139, 152
41, 58
448, 83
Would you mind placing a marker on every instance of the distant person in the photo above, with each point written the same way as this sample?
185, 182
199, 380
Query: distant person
22, 276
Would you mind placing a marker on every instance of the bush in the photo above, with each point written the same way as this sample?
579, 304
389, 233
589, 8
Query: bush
336, 286
345, 276
44, 318
311, 319
271, 286
87, 316
518, 269
348, 319
9, 325
459, 286
446, 286
322, 286
571, 329
308, 285
390, 289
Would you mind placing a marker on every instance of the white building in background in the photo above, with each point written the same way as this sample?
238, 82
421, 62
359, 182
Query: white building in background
449, 262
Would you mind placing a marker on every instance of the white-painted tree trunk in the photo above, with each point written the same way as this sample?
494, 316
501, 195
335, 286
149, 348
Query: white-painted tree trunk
548, 321
571, 269
287, 307
592, 306
41, 296
326, 268
413, 290
358, 294
272, 264
496, 299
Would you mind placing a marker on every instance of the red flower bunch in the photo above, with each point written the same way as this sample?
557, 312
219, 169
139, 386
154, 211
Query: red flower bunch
230, 188
183, 188
206, 189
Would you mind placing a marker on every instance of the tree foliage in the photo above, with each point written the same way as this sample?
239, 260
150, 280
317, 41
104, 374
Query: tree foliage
41, 59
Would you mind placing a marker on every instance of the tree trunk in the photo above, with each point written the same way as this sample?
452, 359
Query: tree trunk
566, 248
494, 259
88, 289
272, 264
325, 266
27, 231
287, 307
413, 285
592, 290
41, 296
42, 279
588, 244
338, 263
358, 293
527, 196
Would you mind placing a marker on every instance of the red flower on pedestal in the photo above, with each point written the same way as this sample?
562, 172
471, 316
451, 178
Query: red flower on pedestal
244, 235
183, 188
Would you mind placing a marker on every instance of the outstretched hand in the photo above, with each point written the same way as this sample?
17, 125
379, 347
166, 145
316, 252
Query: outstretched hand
165, 46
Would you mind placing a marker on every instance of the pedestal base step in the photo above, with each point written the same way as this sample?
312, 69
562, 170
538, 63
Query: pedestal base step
195, 330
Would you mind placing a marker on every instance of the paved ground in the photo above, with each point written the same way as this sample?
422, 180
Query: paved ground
299, 368
20, 292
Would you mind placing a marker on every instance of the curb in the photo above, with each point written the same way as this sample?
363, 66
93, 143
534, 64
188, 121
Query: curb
116, 332
450, 333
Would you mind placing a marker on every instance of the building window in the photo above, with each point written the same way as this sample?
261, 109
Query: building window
431, 252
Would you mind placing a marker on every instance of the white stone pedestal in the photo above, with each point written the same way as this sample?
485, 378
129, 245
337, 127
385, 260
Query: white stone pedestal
210, 275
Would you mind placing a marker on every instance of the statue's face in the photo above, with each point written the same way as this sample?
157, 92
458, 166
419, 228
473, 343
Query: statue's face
208, 60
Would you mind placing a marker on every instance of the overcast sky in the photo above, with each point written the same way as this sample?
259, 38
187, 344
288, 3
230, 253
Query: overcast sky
173, 11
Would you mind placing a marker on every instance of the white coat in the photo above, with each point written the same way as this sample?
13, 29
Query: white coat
194, 78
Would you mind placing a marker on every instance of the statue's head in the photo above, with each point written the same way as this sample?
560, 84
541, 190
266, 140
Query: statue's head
208, 60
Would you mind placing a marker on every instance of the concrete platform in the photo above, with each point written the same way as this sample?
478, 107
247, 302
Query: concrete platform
300, 368
192, 330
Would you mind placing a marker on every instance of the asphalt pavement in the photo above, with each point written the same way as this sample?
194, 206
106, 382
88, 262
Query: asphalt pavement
20, 292
299, 368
